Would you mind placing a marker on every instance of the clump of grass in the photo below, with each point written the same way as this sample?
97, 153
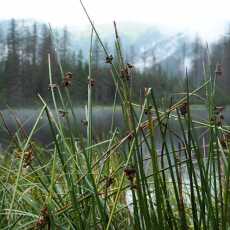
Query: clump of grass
80, 183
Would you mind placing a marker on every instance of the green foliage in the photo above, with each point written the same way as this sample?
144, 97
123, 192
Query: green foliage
24, 69
84, 183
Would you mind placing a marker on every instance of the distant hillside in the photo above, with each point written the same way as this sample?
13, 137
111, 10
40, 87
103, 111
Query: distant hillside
143, 45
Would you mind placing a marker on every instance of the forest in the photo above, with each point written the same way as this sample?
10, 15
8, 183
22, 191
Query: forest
24, 67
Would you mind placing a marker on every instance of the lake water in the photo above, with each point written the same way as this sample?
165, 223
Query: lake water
102, 118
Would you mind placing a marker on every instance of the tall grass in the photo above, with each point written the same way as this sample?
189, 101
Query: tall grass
81, 182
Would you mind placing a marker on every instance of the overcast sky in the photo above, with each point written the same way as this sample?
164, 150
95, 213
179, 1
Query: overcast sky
208, 17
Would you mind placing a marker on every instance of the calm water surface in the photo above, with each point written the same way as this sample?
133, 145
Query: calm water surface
102, 118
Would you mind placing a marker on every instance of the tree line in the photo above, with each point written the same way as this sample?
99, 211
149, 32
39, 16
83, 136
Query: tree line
24, 67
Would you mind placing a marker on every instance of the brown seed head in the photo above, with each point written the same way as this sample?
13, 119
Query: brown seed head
67, 81
125, 73
219, 70
109, 59
109, 181
129, 135
43, 219
225, 140
219, 109
91, 82
52, 86
213, 120
184, 109
130, 172
27, 158
148, 110
130, 66
84, 122
68, 75
63, 113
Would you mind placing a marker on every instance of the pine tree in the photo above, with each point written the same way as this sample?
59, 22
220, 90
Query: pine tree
197, 62
45, 48
12, 67
64, 47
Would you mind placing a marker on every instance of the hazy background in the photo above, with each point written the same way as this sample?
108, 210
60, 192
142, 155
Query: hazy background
207, 17
159, 38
